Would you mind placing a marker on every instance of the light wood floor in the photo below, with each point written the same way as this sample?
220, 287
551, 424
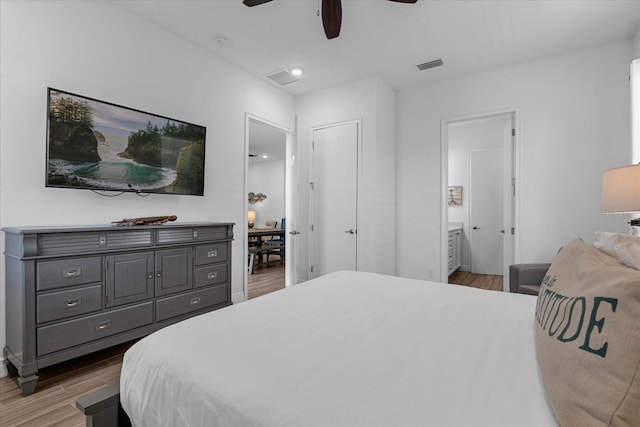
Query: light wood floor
53, 403
265, 280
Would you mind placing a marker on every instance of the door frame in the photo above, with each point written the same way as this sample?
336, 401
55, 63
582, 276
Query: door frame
291, 198
358, 122
511, 253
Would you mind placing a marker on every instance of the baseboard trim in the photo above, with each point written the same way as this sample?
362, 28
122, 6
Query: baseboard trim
238, 297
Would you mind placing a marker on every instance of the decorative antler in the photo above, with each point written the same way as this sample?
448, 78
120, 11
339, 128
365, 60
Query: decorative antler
149, 220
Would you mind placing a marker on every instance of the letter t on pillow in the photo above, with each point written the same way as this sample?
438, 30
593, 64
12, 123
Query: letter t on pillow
587, 337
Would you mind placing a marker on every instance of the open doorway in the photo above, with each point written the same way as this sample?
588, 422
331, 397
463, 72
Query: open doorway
268, 201
480, 172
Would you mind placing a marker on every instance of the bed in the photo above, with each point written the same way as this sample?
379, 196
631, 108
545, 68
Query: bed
345, 349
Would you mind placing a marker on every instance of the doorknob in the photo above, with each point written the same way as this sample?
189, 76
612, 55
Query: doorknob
294, 232
475, 228
350, 231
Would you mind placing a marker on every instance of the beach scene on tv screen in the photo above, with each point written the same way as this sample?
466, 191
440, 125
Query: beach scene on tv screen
97, 145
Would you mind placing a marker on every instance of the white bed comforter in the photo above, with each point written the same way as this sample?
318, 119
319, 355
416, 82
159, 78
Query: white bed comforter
346, 349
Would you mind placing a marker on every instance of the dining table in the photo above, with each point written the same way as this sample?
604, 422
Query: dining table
258, 238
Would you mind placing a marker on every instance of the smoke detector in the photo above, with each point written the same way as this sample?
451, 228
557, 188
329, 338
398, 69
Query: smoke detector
222, 41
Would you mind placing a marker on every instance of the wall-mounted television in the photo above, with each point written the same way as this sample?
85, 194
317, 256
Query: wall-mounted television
97, 145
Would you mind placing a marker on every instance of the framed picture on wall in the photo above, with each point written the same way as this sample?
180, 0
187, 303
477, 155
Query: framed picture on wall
455, 195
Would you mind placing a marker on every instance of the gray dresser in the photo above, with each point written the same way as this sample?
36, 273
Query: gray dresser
75, 290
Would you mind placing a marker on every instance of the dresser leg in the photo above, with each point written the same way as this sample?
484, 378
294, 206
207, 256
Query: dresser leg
28, 384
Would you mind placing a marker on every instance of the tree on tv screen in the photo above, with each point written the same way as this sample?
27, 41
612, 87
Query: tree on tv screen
71, 135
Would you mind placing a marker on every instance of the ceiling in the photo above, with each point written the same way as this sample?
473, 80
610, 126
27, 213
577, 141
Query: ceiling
388, 39
266, 143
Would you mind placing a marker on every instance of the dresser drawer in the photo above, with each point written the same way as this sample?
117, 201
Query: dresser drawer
192, 301
211, 233
68, 272
70, 243
75, 332
210, 275
59, 305
129, 239
209, 254
167, 236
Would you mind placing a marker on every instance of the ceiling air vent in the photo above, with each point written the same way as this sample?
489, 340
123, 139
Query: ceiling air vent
430, 64
282, 77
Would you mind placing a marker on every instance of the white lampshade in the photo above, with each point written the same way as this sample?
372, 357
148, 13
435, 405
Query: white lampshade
621, 190
251, 215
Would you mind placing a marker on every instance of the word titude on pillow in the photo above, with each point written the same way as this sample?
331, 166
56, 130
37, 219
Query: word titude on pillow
587, 337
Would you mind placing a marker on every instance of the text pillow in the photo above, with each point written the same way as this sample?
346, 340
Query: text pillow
587, 337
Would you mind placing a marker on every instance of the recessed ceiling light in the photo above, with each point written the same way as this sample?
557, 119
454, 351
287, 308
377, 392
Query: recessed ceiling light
296, 71
264, 156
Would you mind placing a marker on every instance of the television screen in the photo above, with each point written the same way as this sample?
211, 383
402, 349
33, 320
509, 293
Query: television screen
97, 145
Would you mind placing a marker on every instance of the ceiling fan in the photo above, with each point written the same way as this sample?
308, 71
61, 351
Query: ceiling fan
331, 14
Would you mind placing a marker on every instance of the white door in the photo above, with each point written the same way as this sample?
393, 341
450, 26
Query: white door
486, 210
334, 194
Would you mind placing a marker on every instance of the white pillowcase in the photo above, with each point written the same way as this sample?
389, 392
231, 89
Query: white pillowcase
623, 247
628, 254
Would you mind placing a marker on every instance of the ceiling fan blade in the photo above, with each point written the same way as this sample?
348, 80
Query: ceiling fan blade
251, 3
405, 1
331, 17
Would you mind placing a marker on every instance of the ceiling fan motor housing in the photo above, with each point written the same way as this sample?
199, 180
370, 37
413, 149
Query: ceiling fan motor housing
331, 14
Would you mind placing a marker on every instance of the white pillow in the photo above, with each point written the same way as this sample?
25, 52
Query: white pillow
623, 247
628, 254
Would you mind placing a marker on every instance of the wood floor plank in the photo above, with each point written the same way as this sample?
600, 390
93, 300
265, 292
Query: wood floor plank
481, 281
265, 280
60, 416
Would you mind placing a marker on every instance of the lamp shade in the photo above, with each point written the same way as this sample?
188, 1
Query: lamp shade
621, 190
251, 215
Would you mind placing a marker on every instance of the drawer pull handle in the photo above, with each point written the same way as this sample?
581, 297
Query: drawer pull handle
212, 275
195, 300
73, 302
72, 272
101, 326
212, 254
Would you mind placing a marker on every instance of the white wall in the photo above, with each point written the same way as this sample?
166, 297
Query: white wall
635, 110
101, 51
267, 178
372, 101
635, 98
574, 124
